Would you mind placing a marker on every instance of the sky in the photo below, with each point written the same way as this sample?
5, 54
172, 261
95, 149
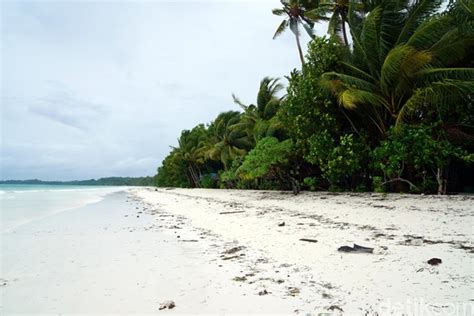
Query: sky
91, 89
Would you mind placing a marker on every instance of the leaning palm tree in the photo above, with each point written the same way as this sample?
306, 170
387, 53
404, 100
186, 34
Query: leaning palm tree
297, 12
259, 120
228, 143
406, 60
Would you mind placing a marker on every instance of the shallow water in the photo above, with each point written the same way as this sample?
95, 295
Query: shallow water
23, 204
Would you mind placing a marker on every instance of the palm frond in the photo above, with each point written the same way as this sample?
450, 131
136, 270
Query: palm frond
294, 26
418, 12
309, 30
435, 95
281, 28
369, 40
279, 12
239, 103
440, 74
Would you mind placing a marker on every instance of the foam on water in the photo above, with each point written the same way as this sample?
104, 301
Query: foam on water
23, 204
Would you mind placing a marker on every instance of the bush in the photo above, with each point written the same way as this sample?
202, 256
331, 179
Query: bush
209, 181
338, 162
418, 156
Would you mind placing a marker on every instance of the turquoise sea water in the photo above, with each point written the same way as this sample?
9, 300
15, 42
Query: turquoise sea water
21, 204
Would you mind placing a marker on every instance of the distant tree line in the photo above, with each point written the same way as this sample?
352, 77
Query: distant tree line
110, 181
385, 103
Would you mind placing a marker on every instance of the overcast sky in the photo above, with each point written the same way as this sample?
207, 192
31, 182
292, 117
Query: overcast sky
94, 89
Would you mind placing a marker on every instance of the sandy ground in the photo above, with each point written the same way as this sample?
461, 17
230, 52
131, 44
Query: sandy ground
119, 256
218, 251
313, 277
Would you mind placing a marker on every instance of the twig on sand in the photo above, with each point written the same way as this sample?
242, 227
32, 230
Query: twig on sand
308, 239
233, 212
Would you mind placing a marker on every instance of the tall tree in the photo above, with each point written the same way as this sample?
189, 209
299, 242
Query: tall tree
297, 12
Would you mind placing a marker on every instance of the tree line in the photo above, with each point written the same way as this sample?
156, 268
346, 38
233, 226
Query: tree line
384, 102
113, 181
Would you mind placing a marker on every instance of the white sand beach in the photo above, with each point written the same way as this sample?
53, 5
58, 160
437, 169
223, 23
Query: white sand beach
220, 251
405, 230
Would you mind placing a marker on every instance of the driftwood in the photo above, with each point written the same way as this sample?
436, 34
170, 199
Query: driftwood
356, 249
308, 239
233, 212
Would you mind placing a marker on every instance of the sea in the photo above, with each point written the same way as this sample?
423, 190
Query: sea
21, 204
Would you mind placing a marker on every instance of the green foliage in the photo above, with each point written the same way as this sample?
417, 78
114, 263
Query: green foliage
228, 178
307, 109
172, 172
208, 181
258, 120
419, 150
405, 64
311, 183
377, 183
112, 181
268, 156
337, 161
392, 109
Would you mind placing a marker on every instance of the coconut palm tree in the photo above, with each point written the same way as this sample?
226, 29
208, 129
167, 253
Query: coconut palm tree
297, 12
226, 143
405, 60
259, 120
338, 10
189, 151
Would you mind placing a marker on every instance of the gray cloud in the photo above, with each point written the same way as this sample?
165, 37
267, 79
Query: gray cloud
92, 89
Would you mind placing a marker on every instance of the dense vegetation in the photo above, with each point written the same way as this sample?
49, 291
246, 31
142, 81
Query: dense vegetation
140, 181
384, 103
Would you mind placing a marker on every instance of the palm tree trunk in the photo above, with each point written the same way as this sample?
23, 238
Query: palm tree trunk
343, 27
300, 51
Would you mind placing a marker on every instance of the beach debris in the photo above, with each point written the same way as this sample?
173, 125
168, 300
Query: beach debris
293, 291
263, 292
335, 308
356, 248
234, 250
434, 261
467, 248
281, 224
167, 305
308, 239
233, 212
230, 258
189, 240
240, 278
